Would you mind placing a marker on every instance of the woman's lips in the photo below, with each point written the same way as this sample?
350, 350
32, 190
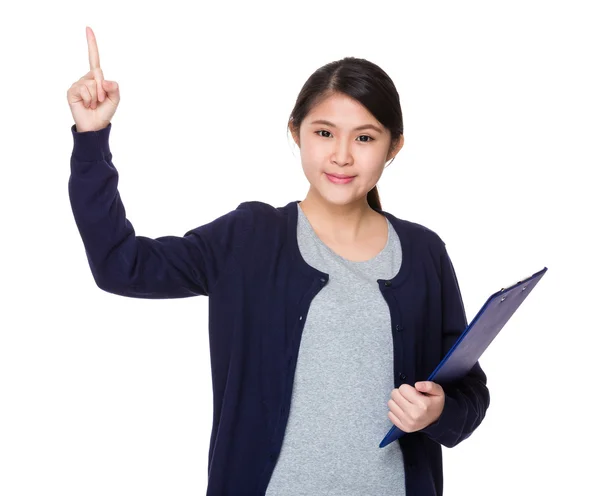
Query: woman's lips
339, 180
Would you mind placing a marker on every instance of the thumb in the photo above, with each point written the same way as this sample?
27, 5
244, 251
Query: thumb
425, 387
111, 88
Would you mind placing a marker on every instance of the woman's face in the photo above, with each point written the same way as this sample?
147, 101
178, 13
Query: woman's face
339, 148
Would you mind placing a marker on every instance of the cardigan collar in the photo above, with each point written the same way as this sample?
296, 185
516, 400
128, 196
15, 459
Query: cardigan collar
291, 209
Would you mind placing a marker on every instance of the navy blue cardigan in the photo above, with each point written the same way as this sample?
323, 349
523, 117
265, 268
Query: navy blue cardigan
249, 265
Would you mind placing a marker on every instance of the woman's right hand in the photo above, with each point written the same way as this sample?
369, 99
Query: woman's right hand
92, 99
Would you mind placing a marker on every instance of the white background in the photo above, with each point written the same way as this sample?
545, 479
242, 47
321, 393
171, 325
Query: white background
101, 394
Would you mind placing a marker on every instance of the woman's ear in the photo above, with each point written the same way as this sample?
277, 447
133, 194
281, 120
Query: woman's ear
396, 149
294, 135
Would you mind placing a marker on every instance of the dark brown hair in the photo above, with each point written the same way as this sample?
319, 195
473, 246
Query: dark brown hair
362, 80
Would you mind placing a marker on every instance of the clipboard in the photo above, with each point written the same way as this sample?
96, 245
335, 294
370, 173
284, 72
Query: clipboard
477, 336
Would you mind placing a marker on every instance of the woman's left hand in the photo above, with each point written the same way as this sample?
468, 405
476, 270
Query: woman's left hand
414, 408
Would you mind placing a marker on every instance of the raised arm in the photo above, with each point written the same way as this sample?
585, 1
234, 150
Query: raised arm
121, 262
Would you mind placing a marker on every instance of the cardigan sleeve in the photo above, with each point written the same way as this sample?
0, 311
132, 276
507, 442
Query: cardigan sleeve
467, 399
137, 266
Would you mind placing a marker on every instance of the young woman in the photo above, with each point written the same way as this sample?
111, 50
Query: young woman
326, 315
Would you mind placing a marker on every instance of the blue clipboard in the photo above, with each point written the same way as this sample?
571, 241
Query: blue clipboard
478, 335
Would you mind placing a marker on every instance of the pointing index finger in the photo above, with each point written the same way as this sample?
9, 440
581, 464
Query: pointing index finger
92, 49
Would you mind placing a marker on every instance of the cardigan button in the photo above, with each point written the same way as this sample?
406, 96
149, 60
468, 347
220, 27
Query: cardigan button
399, 327
388, 283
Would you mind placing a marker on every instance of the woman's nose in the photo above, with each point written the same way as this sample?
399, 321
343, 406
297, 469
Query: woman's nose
342, 152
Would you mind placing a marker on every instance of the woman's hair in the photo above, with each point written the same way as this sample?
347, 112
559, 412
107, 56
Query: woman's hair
362, 80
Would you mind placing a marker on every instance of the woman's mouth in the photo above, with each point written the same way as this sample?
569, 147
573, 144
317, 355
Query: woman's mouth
339, 180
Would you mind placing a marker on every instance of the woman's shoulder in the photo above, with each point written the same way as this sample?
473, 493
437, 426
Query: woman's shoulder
415, 231
262, 218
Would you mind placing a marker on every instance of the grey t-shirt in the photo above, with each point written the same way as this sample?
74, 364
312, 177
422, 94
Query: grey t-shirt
343, 381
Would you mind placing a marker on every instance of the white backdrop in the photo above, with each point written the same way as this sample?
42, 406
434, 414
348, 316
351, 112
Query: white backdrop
101, 394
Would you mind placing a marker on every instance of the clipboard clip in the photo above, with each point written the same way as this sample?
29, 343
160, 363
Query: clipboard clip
522, 289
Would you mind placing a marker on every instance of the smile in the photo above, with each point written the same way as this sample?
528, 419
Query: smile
339, 180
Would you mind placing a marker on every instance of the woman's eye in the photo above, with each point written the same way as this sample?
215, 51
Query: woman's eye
321, 134
362, 135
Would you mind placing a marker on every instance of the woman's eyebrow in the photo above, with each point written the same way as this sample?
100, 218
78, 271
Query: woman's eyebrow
359, 128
